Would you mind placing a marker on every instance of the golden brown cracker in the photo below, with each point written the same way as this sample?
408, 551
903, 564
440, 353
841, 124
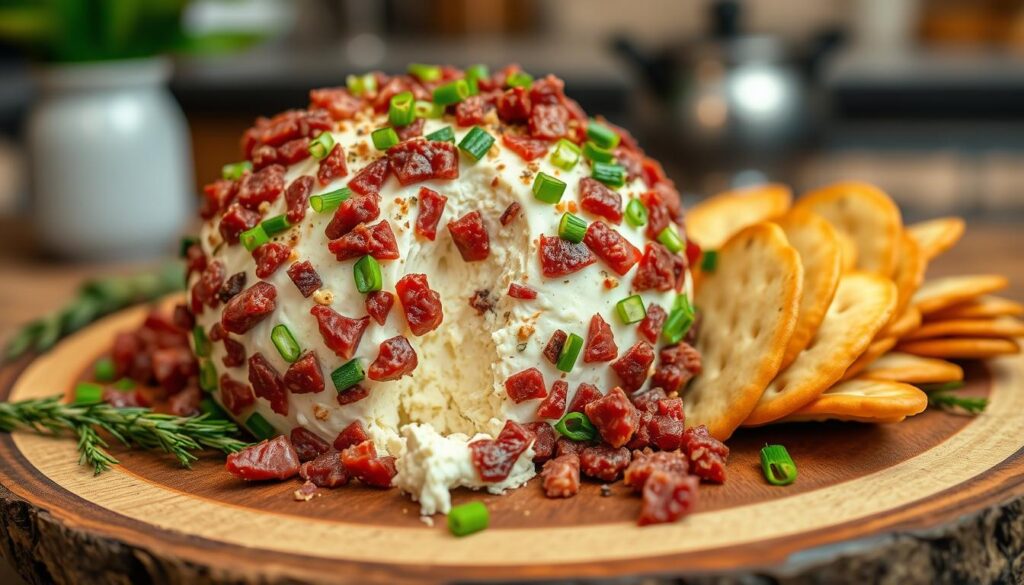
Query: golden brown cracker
912, 369
940, 293
902, 325
713, 221
910, 269
983, 307
821, 256
935, 236
960, 348
863, 304
867, 216
864, 400
877, 349
749, 308
1000, 327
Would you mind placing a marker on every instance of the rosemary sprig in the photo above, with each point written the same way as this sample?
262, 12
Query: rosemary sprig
134, 427
949, 401
95, 299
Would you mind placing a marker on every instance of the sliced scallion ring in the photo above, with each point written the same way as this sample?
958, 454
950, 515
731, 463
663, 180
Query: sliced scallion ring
400, 111
275, 225
777, 465
424, 72
602, 135
631, 309
88, 393
452, 92
610, 174
348, 375
260, 427
547, 188
576, 426
328, 202
709, 261
565, 155
570, 351
445, 134
572, 228
596, 153
384, 138
254, 238
321, 146
465, 519
285, 343
636, 213
234, 171
367, 274
476, 142
519, 79
669, 238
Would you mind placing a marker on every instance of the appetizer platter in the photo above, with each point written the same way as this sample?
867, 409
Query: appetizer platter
446, 326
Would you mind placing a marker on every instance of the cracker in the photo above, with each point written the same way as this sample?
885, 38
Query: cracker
863, 304
1001, 327
864, 400
935, 236
902, 325
749, 308
960, 347
940, 293
983, 307
909, 275
867, 216
849, 249
877, 349
713, 221
816, 242
903, 367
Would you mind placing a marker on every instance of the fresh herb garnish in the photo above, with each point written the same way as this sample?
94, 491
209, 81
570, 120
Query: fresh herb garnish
134, 427
95, 299
952, 402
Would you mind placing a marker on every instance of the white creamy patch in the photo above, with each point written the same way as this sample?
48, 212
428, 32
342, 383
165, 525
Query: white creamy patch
458, 386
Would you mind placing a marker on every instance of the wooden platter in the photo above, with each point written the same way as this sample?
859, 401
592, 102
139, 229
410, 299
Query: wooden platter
939, 497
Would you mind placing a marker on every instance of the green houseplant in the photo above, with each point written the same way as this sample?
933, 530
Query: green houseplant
108, 146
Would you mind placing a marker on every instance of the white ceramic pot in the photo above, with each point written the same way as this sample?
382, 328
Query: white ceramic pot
111, 166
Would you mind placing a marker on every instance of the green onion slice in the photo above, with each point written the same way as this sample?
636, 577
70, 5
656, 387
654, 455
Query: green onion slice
445, 134
285, 342
360, 84
572, 228
576, 426
602, 135
452, 92
260, 427
547, 188
565, 155
428, 109
104, 370
465, 519
348, 375
475, 73
201, 341
476, 142
254, 238
596, 153
234, 171
709, 261
384, 138
88, 393
275, 225
425, 72
636, 213
679, 321
570, 351
328, 202
631, 309
207, 376
400, 111
669, 237
519, 79
367, 274
321, 146
610, 174
777, 465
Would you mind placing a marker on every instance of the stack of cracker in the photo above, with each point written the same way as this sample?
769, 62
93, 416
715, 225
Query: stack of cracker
820, 310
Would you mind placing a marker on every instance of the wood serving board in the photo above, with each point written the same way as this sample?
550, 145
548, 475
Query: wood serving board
937, 498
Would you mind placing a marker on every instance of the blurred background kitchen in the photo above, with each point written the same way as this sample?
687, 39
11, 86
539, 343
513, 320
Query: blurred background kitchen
114, 113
